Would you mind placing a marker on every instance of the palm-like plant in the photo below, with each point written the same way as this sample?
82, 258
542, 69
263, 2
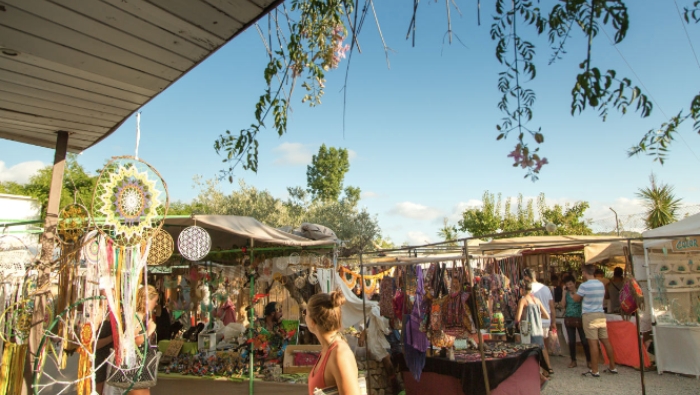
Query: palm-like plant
660, 203
448, 232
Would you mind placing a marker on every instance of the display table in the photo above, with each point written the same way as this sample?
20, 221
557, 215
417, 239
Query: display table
676, 349
625, 344
169, 384
187, 348
622, 335
516, 374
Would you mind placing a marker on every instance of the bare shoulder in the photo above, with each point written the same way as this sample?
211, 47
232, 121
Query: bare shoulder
343, 351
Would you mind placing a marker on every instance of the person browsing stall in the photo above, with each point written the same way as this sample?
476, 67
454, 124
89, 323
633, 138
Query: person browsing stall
591, 293
544, 295
336, 366
146, 302
573, 321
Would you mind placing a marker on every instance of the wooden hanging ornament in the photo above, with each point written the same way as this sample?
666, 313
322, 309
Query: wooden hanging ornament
162, 247
133, 198
194, 243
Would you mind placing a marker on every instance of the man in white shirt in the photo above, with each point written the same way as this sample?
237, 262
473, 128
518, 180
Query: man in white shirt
544, 294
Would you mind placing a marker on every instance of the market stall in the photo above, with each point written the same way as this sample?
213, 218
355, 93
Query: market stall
673, 270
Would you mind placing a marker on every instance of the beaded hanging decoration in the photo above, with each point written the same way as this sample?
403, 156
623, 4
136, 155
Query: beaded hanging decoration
73, 221
14, 255
162, 246
194, 243
133, 197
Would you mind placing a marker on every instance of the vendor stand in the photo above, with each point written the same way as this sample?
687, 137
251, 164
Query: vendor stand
673, 270
252, 244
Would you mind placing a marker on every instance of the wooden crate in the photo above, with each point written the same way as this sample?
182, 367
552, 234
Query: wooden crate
288, 365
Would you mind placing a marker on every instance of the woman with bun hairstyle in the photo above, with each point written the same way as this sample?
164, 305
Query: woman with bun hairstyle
336, 366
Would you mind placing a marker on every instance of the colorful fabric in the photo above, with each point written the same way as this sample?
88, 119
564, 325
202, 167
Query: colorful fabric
457, 317
593, 293
387, 290
573, 308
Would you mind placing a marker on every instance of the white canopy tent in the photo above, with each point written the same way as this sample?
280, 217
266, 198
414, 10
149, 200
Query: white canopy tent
676, 330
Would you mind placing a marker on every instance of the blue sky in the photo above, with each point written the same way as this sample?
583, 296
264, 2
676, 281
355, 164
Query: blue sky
423, 132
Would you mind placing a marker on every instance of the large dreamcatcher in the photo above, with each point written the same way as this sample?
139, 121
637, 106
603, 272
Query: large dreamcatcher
133, 198
194, 243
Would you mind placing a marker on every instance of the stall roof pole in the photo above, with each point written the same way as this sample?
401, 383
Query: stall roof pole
476, 321
636, 318
368, 375
251, 376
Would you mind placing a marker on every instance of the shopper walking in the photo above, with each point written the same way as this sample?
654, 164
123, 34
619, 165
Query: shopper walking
573, 321
535, 313
336, 366
544, 295
592, 293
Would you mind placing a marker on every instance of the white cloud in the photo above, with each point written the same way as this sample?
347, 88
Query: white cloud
293, 154
369, 195
418, 238
415, 211
351, 154
20, 172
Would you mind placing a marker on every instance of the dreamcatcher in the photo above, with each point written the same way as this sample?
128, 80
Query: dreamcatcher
73, 222
194, 243
16, 309
133, 198
313, 276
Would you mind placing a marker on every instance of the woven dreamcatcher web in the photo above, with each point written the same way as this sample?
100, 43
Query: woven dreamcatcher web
133, 198
91, 247
73, 222
15, 256
194, 243
162, 246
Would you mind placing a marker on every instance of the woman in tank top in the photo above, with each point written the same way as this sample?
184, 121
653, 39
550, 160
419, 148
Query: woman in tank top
336, 366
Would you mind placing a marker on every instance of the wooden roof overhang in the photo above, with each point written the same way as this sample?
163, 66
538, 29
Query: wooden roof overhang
84, 67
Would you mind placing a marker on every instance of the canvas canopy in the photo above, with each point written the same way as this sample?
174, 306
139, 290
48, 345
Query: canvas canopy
687, 226
231, 232
595, 248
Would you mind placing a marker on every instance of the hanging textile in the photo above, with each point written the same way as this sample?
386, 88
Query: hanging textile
325, 279
415, 341
387, 291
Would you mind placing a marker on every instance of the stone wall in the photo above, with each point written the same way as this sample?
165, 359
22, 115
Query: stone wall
377, 380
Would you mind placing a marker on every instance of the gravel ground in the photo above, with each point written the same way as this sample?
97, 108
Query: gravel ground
567, 381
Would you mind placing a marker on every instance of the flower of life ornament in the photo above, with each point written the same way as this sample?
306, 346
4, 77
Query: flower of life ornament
194, 243
132, 197
73, 221
162, 247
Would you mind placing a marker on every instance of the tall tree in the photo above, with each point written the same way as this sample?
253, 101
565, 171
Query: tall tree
489, 218
325, 174
660, 203
448, 232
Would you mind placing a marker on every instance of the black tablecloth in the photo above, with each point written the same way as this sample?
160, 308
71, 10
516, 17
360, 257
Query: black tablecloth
471, 374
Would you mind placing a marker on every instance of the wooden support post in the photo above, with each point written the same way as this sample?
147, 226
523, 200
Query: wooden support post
251, 375
47, 247
636, 318
476, 316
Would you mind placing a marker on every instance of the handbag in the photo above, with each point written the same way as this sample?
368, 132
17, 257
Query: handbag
573, 322
143, 375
